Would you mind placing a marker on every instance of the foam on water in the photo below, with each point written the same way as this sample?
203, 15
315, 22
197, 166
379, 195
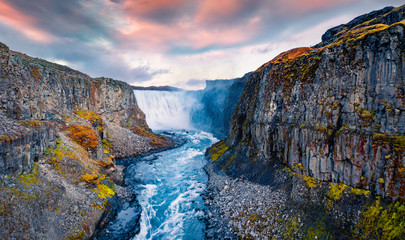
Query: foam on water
169, 190
147, 210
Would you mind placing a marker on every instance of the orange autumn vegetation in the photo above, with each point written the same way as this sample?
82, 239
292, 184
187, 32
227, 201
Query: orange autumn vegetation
291, 54
93, 117
156, 140
84, 135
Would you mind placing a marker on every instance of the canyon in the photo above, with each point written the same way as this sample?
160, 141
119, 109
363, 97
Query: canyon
312, 146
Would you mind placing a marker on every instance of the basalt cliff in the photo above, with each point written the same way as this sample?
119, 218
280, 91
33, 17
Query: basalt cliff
60, 134
326, 125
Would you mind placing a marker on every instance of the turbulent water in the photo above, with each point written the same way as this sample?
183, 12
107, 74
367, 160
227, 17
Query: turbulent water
168, 186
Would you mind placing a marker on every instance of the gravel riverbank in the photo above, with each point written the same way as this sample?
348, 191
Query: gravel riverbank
238, 208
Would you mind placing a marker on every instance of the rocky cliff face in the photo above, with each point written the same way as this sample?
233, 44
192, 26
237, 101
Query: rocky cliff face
334, 113
37, 89
324, 128
60, 132
34, 89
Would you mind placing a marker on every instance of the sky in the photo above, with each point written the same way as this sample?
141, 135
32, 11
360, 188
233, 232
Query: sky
179, 43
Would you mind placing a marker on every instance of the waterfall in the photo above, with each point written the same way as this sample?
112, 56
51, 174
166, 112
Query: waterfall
165, 109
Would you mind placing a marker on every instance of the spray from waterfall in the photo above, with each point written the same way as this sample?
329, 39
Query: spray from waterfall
165, 109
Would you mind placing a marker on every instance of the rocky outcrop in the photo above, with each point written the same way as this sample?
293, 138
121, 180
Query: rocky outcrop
334, 113
59, 132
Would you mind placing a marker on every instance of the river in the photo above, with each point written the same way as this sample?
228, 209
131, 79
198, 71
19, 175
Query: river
168, 185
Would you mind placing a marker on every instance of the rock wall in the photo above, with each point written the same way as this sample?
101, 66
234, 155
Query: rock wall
334, 113
19, 150
37, 89
32, 89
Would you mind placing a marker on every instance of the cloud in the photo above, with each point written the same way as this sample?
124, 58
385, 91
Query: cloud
68, 20
11, 16
139, 40
161, 11
225, 12
145, 73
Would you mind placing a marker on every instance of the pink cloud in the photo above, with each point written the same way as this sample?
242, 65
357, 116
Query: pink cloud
199, 32
302, 7
161, 38
158, 10
217, 11
147, 35
23, 23
221, 38
210, 23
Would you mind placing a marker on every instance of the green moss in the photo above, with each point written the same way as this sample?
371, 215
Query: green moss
344, 128
356, 34
60, 152
103, 191
20, 194
318, 232
290, 228
397, 142
32, 178
106, 146
68, 119
378, 222
324, 129
299, 166
366, 114
253, 218
336, 190
310, 181
76, 236
358, 191
218, 149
